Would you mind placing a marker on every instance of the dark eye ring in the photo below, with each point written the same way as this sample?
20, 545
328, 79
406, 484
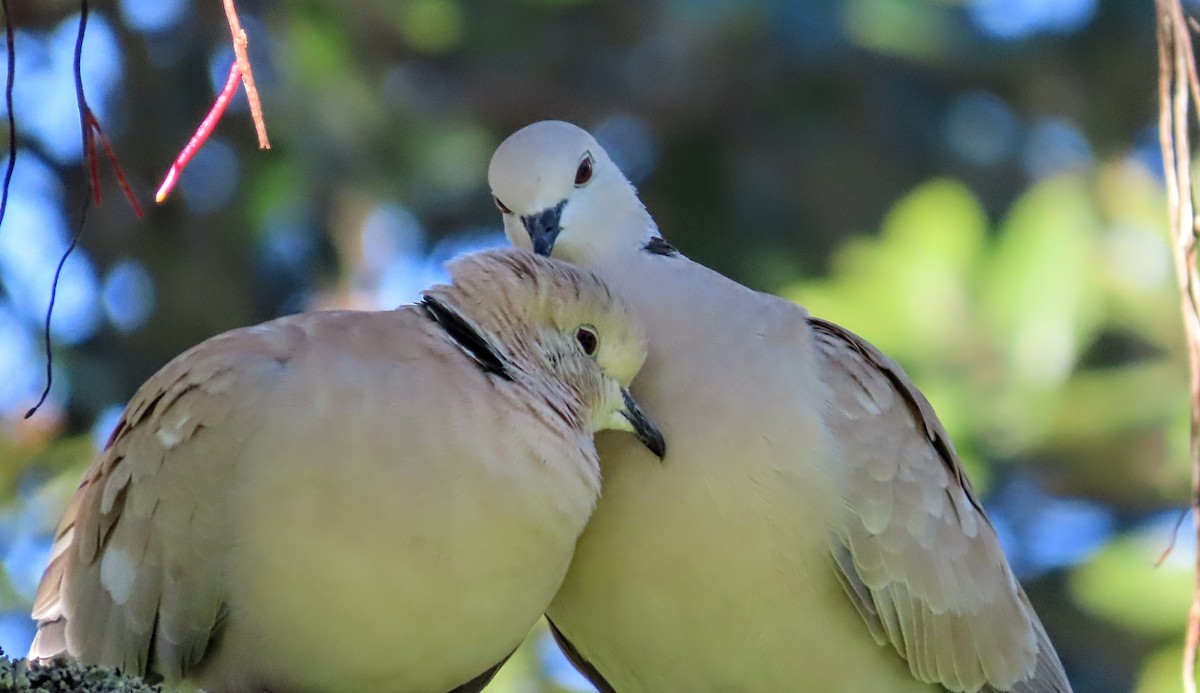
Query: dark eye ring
583, 174
588, 339
500, 205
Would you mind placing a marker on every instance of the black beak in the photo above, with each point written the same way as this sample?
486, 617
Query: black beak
642, 428
544, 228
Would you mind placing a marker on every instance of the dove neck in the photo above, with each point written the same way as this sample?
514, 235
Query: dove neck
607, 239
469, 338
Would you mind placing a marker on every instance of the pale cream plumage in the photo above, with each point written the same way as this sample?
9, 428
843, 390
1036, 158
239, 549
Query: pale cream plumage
811, 529
350, 501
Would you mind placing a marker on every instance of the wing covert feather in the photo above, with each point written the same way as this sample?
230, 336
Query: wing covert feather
134, 580
918, 556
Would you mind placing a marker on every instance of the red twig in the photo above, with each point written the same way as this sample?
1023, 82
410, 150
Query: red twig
240, 49
239, 71
92, 131
206, 127
112, 161
90, 127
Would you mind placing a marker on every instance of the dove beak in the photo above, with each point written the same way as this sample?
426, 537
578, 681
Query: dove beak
544, 227
642, 428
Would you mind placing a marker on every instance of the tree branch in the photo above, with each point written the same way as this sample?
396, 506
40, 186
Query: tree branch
239, 71
1178, 87
240, 46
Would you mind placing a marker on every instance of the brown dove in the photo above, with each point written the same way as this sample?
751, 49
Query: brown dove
351, 501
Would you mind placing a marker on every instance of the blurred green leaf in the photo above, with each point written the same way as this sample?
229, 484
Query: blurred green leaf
1161, 670
914, 30
432, 26
1122, 584
910, 284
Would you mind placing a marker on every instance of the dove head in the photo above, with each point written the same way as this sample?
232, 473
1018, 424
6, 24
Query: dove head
517, 311
561, 194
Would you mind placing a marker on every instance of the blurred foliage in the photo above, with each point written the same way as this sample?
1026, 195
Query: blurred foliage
970, 184
1065, 317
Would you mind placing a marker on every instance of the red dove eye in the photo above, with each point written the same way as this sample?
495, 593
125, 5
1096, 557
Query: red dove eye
584, 173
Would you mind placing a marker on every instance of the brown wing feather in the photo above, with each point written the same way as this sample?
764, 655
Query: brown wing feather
919, 558
133, 580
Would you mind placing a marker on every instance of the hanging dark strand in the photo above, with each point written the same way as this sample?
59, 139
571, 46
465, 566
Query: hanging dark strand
85, 132
8, 100
80, 99
62, 261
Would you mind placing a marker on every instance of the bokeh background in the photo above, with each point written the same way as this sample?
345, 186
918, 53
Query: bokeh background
973, 185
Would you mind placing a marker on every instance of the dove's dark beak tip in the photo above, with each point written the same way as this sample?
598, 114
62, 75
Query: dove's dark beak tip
543, 228
655, 444
543, 246
645, 431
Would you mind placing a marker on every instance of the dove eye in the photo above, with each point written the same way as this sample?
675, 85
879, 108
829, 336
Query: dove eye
588, 339
584, 173
500, 205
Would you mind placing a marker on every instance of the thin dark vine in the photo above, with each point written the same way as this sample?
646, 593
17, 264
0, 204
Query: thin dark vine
10, 41
86, 134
